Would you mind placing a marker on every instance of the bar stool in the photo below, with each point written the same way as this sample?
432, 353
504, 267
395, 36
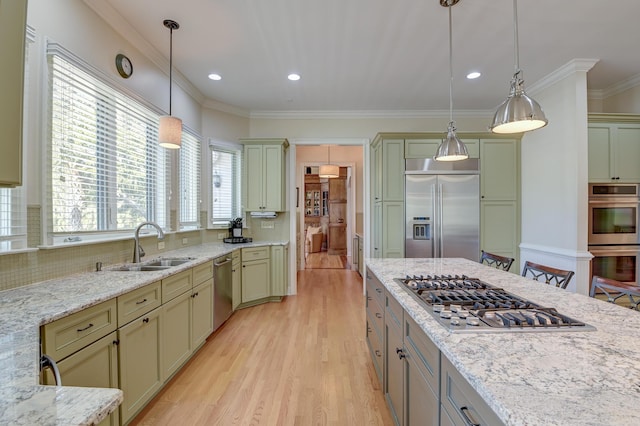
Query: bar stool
498, 262
614, 290
558, 277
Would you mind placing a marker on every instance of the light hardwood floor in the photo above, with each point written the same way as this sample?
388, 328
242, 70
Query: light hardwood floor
303, 361
323, 260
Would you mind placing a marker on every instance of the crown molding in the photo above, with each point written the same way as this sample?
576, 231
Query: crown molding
368, 114
568, 69
230, 109
621, 86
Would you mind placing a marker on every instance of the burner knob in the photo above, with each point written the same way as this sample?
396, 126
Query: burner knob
473, 321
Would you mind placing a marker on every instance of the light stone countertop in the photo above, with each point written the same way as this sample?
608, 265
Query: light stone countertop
546, 378
23, 310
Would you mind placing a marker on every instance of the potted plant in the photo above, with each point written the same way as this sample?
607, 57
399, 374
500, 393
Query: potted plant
236, 227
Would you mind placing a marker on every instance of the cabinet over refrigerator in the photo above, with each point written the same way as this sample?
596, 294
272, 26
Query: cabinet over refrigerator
442, 208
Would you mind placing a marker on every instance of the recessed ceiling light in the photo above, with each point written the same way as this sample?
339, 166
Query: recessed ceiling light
473, 75
215, 77
293, 77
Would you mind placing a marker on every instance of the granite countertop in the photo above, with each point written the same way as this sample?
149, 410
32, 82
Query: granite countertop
546, 378
23, 310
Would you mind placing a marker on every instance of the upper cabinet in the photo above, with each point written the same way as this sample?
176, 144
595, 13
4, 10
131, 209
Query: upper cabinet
427, 148
264, 174
499, 169
13, 19
614, 148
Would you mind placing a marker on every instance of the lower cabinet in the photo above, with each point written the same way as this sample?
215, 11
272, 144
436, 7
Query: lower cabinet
394, 369
176, 336
94, 366
256, 274
140, 356
279, 282
201, 313
236, 279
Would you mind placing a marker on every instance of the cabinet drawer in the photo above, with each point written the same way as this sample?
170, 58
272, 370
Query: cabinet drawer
461, 401
176, 284
375, 288
255, 253
393, 310
65, 336
202, 273
235, 257
423, 351
138, 302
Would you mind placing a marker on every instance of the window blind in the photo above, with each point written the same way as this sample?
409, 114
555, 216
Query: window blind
225, 184
107, 172
13, 226
189, 181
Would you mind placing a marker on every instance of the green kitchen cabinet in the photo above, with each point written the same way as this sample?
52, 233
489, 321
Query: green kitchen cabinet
614, 149
94, 366
393, 229
499, 176
236, 279
176, 337
376, 230
140, 356
256, 274
427, 148
499, 225
392, 170
264, 174
201, 312
279, 270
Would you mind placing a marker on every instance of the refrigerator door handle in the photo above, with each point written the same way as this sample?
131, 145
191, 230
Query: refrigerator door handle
440, 220
435, 239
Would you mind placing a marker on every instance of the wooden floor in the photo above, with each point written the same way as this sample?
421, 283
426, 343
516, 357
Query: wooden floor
322, 260
303, 361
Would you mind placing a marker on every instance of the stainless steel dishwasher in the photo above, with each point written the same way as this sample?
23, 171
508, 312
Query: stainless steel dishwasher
222, 291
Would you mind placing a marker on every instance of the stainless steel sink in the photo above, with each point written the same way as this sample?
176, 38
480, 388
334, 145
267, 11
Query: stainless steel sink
154, 265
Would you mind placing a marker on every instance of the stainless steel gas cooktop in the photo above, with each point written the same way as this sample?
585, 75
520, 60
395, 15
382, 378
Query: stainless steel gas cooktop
463, 304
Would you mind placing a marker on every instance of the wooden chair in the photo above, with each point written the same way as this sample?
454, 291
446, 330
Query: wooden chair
558, 277
498, 262
614, 290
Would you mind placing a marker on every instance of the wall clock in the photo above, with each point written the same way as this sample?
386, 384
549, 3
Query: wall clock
124, 66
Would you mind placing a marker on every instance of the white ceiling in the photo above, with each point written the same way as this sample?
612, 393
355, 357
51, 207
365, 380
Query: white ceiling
380, 55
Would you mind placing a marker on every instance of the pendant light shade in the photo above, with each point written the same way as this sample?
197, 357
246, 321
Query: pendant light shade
451, 148
329, 170
170, 127
519, 113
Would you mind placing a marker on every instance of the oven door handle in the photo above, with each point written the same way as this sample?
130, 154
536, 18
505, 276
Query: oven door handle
602, 252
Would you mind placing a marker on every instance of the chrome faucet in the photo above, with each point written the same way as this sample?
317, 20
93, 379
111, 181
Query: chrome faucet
138, 252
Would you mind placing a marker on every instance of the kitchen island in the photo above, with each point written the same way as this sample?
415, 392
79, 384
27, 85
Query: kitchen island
25, 309
535, 378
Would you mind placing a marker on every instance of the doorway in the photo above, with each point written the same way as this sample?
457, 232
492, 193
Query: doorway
326, 213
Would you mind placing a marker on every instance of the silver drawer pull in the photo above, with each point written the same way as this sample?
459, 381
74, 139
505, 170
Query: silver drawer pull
86, 328
465, 416
141, 302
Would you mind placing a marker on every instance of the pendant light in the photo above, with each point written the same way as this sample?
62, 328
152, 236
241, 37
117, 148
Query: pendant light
329, 170
519, 113
451, 148
170, 132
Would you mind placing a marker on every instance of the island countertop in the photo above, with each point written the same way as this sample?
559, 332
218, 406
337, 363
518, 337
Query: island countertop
23, 310
546, 378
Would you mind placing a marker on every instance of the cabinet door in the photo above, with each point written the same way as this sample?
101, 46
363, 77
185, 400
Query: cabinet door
377, 230
236, 280
201, 313
176, 338
376, 161
95, 366
255, 280
499, 175
421, 404
394, 371
421, 148
277, 271
140, 362
600, 147
273, 181
393, 170
393, 229
254, 175
473, 147
13, 19
499, 229
627, 154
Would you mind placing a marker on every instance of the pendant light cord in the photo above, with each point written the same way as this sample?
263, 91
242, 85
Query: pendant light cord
450, 68
515, 37
170, 64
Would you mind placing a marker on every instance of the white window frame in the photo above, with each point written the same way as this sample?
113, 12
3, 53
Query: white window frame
157, 211
236, 178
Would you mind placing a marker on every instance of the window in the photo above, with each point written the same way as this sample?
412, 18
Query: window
107, 172
225, 182
189, 181
13, 227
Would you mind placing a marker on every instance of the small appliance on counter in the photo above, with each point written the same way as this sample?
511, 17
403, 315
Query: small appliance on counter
235, 233
237, 240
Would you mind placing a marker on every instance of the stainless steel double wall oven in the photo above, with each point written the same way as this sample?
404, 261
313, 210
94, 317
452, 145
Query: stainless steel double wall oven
614, 237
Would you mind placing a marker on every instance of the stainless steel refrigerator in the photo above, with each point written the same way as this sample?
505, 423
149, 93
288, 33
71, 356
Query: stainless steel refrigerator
442, 209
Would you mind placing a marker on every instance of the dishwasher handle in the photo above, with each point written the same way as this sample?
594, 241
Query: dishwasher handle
47, 362
217, 265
